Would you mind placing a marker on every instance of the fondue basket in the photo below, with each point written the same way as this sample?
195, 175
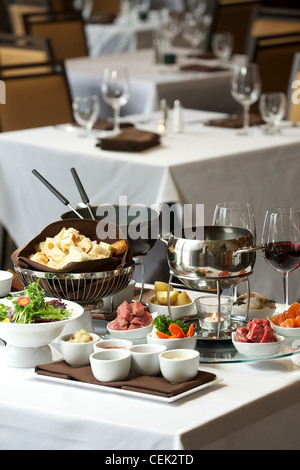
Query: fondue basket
84, 289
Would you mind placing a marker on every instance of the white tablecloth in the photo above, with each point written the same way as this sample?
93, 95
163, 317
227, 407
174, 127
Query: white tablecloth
119, 37
204, 165
151, 82
255, 406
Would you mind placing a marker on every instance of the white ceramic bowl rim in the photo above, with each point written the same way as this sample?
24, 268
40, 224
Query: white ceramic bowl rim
119, 353
147, 349
5, 275
190, 354
65, 339
172, 306
280, 339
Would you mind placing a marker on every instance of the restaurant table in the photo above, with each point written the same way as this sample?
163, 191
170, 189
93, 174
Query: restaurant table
253, 405
151, 82
120, 36
202, 165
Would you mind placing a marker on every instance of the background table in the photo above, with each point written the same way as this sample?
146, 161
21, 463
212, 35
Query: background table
119, 37
255, 406
204, 165
150, 82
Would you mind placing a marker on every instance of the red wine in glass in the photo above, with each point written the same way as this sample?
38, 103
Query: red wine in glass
281, 241
283, 256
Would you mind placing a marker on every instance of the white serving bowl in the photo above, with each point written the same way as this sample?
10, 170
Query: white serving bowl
138, 333
178, 311
258, 349
110, 365
261, 313
36, 334
179, 365
174, 343
77, 354
145, 358
288, 332
6, 279
115, 343
28, 344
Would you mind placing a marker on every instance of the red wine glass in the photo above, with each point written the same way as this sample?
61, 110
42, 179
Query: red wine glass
281, 240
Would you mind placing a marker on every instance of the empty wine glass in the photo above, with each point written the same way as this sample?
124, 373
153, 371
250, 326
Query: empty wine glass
115, 89
245, 89
272, 107
281, 242
86, 111
222, 46
170, 27
194, 30
235, 214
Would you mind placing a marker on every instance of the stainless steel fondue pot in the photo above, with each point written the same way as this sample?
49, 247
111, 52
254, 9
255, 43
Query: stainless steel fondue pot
221, 260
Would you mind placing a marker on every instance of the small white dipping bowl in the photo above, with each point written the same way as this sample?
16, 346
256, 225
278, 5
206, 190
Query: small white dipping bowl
110, 365
178, 311
258, 349
174, 343
105, 344
6, 279
179, 365
145, 358
77, 354
138, 333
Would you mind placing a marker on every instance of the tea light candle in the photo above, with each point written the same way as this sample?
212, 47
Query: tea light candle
212, 322
161, 129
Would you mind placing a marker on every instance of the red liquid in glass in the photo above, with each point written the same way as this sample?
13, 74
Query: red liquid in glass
283, 256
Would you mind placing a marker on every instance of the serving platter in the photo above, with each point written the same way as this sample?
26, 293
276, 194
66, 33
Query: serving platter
129, 393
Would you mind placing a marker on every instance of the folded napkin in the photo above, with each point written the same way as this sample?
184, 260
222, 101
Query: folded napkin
204, 55
235, 122
201, 68
144, 384
130, 140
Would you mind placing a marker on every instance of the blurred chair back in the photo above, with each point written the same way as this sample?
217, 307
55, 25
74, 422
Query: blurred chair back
21, 50
293, 91
234, 16
16, 14
269, 21
36, 100
274, 56
65, 32
106, 7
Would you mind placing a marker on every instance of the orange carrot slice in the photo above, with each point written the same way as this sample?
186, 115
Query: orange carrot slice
23, 301
176, 330
191, 330
162, 335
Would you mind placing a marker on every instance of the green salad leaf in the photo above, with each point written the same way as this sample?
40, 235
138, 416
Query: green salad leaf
162, 323
32, 307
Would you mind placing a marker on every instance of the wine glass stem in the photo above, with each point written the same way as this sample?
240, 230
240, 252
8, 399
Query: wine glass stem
246, 117
116, 118
286, 290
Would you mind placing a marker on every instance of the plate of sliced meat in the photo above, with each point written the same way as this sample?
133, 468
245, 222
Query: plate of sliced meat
133, 322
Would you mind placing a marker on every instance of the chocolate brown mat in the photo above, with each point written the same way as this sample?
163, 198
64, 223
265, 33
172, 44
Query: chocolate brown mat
130, 140
235, 122
201, 68
143, 384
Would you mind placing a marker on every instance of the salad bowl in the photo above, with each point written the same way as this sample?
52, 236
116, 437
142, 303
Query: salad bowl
28, 343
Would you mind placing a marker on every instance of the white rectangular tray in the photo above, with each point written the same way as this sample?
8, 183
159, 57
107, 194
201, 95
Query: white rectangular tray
129, 393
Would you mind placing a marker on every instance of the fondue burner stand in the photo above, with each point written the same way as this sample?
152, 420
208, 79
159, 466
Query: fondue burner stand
218, 335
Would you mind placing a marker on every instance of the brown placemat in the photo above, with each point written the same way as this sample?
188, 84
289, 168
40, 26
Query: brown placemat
235, 122
130, 140
144, 384
209, 55
201, 68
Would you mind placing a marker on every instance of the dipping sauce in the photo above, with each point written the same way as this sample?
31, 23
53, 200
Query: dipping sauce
80, 336
177, 358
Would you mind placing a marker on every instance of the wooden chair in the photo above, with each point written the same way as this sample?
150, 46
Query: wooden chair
16, 12
21, 50
274, 56
272, 22
36, 100
65, 32
106, 7
234, 16
293, 91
